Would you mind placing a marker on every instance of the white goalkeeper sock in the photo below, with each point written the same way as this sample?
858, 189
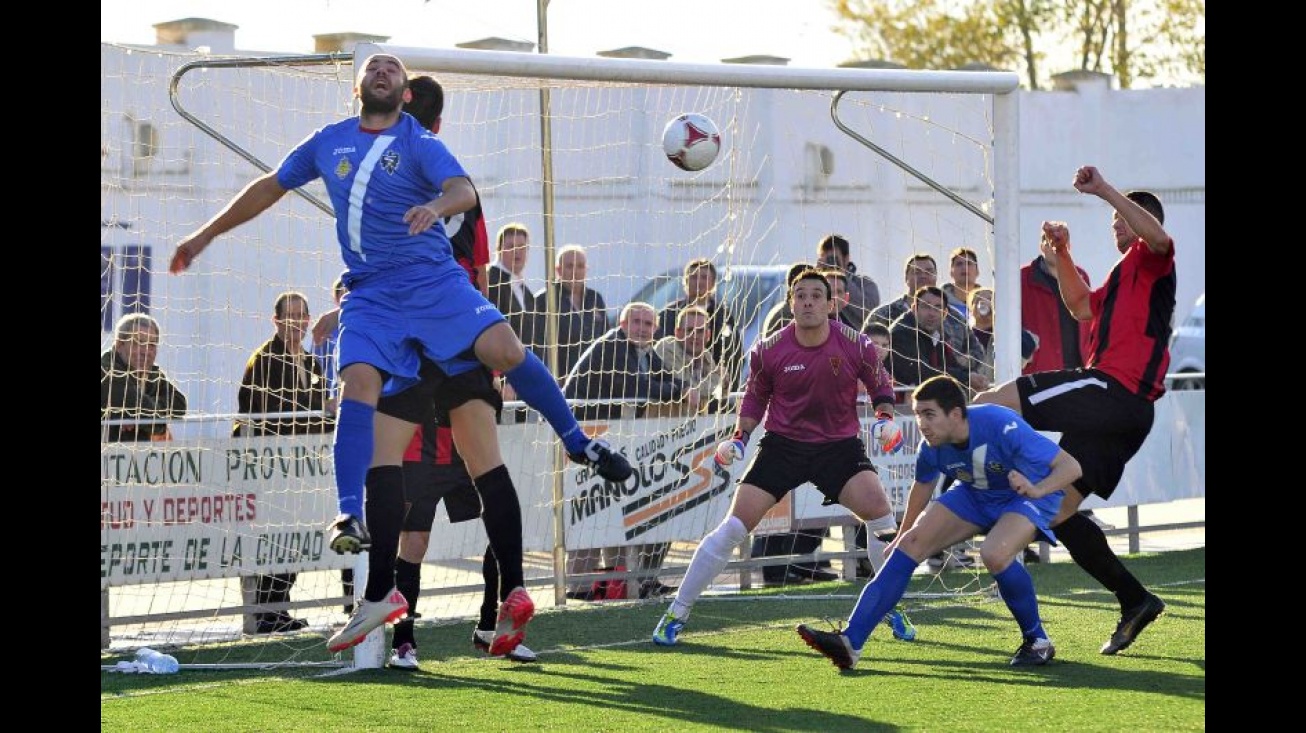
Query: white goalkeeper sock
874, 545
709, 560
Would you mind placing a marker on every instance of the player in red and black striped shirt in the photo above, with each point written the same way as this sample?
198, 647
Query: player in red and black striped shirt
1105, 410
434, 469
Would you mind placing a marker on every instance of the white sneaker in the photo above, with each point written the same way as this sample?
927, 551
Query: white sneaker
368, 615
483, 640
405, 657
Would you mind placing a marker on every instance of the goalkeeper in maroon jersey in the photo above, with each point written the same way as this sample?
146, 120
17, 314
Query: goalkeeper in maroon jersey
1105, 410
803, 385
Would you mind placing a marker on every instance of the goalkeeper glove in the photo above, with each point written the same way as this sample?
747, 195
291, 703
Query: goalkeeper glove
731, 450
887, 432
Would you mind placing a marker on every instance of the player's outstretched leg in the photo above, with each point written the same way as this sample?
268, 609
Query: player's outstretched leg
709, 560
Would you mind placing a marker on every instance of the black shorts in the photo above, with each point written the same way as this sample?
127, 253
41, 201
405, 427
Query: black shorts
1102, 424
425, 485
438, 393
781, 465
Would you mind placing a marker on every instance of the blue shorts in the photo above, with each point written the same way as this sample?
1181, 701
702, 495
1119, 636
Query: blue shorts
984, 507
390, 319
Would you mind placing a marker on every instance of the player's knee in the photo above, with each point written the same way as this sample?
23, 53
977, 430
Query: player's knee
500, 349
412, 546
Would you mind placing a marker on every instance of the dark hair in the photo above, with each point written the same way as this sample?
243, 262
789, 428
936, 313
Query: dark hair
809, 274
966, 252
906, 268
427, 102
929, 290
1150, 203
795, 270
279, 307
696, 264
833, 241
510, 228
944, 390
878, 329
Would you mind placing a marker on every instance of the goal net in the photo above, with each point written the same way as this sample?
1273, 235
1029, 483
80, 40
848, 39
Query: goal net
570, 148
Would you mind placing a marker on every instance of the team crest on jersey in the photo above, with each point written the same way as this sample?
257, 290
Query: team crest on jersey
965, 476
343, 168
390, 161
836, 363
994, 467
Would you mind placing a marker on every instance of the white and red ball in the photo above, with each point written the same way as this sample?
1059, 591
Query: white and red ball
691, 141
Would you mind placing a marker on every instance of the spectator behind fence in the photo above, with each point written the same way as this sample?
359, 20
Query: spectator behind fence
623, 366
863, 294
919, 348
981, 319
507, 288
281, 376
685, 355
582, 312
699, 281
920, 270
1062, 339
133, 386
963, 267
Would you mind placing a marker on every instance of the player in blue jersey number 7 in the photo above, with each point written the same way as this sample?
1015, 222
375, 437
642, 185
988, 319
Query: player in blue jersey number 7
391, 183
1010, 482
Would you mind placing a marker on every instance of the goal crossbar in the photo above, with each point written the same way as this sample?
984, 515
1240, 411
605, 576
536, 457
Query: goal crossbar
648, 71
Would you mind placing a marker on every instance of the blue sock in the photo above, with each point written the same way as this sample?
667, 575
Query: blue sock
537, 388
878, 597
353, 453
1017, 590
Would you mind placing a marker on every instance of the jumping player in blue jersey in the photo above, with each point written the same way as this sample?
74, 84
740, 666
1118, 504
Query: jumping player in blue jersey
392, 183
1009, 482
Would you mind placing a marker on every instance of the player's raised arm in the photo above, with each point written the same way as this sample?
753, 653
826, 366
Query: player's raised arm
1089, 179
1074, 291
253, 200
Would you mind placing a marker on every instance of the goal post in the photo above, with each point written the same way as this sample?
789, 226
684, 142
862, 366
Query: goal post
785, 177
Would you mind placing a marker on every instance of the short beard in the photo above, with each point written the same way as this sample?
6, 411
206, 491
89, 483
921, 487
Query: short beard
376, 105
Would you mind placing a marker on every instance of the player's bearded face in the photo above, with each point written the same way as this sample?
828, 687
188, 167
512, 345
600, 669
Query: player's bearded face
382, 100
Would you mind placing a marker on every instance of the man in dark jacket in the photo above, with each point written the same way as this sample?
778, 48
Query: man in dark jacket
282, 376
133, 386
622, 365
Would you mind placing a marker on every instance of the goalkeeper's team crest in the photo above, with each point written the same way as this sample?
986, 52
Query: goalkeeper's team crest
836, 363
343, 168
390, 161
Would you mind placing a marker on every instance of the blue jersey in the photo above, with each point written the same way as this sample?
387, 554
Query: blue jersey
373, 179
1000, 441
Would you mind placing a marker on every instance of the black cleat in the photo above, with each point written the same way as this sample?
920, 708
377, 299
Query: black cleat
835, 647
606, 462
1034, 652
1133, 622
348, 534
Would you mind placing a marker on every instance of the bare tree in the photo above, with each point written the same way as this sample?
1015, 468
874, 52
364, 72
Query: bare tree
1137, 40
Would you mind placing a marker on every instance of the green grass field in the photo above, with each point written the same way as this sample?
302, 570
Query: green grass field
740, 665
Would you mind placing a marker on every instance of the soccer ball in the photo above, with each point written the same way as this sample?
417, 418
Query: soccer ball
691, 141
